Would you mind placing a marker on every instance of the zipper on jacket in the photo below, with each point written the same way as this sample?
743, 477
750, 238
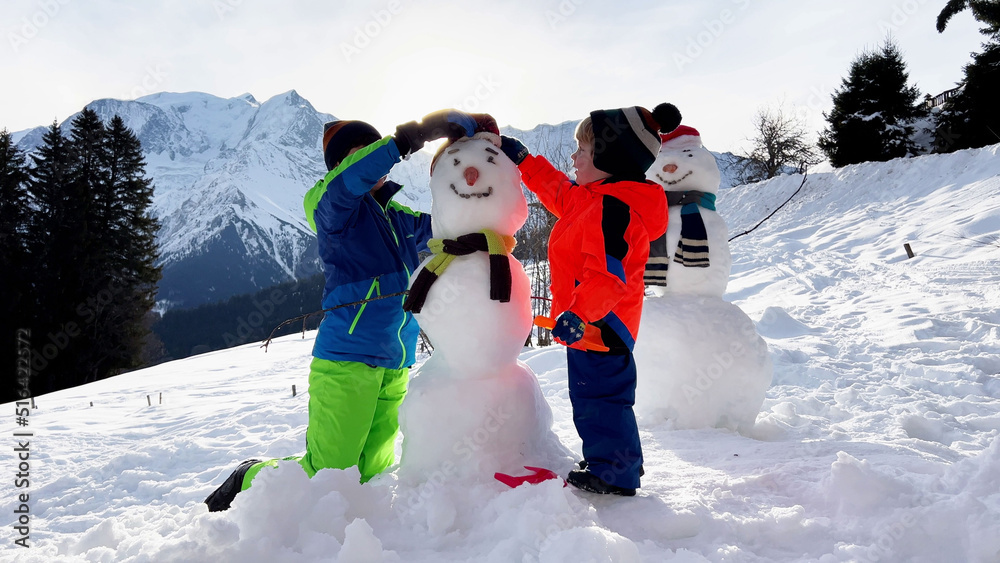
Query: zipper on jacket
357, 317
391, 229
399, 331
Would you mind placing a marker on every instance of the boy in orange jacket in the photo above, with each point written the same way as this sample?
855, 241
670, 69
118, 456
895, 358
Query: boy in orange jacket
597, 255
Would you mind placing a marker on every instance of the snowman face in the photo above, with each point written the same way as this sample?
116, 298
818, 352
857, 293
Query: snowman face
474, 186
683, 164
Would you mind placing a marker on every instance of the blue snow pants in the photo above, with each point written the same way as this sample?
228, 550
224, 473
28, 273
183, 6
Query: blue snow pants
602, 392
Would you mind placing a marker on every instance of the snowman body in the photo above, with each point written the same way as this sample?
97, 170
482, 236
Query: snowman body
472, 408
685, 165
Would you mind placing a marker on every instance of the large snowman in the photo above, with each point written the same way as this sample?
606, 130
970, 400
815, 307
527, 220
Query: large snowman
693, 256
700, 360
473, 409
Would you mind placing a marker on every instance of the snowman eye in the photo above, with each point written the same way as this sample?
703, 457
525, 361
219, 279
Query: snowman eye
490, 160
457, 162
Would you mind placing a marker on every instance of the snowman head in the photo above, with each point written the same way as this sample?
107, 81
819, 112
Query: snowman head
474, 186
684, 164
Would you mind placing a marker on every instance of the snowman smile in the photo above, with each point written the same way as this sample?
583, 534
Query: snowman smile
487, 193
673, 182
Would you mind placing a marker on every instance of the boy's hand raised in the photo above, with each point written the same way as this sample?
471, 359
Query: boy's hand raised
449, 123
410, 137
514, 149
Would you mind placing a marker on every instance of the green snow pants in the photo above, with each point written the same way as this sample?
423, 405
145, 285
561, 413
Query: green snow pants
353, 418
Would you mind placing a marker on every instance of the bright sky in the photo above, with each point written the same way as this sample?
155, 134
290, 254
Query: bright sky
525, 61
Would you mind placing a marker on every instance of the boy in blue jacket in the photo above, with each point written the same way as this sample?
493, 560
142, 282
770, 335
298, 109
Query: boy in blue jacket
369, 246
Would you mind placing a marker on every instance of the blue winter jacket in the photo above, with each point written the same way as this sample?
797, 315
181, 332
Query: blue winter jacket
368, 245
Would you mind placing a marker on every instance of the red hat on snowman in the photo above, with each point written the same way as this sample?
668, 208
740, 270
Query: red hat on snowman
681, 131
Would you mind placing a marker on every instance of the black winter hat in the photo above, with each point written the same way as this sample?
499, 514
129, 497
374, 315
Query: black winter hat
626, 140
339, 137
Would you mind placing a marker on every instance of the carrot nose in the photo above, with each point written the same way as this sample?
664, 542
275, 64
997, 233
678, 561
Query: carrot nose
471, 175
670, 168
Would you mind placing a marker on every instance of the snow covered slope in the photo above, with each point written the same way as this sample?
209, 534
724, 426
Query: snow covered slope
878, 441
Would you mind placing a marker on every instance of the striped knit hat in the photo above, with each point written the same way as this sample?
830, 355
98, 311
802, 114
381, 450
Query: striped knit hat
339, 137
626, 140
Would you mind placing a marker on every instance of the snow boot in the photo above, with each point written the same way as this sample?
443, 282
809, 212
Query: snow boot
222, 498
583, 465
587, 481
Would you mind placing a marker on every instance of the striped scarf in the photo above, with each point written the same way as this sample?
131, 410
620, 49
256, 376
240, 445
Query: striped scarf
445, 251
692, 248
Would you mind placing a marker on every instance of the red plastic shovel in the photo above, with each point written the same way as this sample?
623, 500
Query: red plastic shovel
538, 474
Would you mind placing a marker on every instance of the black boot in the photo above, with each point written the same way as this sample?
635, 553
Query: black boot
587, 481
583, 465
222, 498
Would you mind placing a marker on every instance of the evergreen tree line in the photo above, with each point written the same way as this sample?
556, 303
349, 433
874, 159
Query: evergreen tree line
878, 115
875, 110
240, 319
77, 258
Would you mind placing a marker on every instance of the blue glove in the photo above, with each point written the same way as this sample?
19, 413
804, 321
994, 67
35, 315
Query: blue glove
569, 328
514, 149
410, 137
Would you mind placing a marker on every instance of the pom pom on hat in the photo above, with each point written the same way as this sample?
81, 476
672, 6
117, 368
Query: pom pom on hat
667, 116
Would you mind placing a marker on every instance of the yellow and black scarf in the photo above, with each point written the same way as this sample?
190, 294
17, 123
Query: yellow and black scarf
445, 250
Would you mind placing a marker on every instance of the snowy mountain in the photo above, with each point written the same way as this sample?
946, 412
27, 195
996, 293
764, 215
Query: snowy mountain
230, 176
229, 180
879, 439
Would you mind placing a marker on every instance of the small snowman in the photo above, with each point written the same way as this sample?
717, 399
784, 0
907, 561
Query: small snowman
693, 255
473, 409
700, 360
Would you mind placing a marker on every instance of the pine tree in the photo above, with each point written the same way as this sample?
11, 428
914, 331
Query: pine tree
14, 272
51, 228
971, 118
94, 245
986, 12
873, 110
130, 241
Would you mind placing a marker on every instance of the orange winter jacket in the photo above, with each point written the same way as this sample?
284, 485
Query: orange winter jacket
599, 246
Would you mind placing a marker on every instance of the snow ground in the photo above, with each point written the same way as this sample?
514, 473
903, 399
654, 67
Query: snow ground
879, 439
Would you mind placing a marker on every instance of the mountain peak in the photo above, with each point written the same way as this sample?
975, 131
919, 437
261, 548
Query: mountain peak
248, 97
